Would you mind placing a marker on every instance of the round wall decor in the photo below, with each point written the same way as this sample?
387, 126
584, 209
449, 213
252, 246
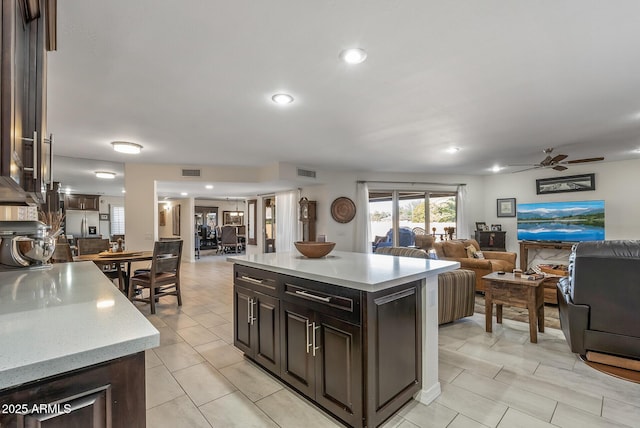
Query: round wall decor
343, 210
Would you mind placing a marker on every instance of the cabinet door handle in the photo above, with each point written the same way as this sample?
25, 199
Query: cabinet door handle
50, 159
249, 311
35, 155
315, 348
313, 296
252, 317
309, 345
248, 278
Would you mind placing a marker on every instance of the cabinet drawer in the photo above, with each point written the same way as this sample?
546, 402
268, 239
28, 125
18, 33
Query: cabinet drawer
343, 303
256, 279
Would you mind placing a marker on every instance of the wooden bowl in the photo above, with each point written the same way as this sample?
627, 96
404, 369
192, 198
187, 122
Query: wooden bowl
314, 250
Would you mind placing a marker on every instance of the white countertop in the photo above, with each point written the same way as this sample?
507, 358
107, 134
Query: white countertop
64, 318
366, 272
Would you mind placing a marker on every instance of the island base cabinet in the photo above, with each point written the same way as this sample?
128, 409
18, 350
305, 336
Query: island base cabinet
356, 354
257, 327
110, 394
321, 358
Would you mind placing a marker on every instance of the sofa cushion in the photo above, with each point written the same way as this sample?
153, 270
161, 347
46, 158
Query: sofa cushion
454, 249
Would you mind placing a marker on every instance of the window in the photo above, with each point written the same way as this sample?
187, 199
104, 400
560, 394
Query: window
404, 212
117, 220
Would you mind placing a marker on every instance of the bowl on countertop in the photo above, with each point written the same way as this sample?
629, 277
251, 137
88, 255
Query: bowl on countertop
314, 250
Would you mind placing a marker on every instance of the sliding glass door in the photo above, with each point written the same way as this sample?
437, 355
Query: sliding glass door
396, 216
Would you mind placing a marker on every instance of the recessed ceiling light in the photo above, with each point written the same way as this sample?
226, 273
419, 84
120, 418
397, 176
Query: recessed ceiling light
496, 168
453, 150
209, 186
353, 56
106, 174
126, 147
184, 194
124, 191
282, 99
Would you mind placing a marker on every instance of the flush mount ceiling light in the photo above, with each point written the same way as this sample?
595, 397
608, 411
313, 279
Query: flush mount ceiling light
453, 150
496, 168
353, 55
126, 147
106, 174
209, 186
282, 99
184, 194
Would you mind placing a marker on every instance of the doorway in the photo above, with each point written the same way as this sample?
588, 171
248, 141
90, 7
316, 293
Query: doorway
269, 216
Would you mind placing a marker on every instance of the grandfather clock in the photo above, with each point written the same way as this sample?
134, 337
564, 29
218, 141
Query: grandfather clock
308, 219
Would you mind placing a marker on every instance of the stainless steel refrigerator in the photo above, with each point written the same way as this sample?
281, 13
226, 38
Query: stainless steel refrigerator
82, 224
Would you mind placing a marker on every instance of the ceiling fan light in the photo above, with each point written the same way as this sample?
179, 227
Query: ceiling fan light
106, 174
126, 147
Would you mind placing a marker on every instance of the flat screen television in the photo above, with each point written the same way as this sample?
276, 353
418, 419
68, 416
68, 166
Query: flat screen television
573, 221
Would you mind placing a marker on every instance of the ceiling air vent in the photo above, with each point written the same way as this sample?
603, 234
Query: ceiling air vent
306, 173
191, 173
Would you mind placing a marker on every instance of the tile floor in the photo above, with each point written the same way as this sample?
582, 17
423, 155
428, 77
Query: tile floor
196, 378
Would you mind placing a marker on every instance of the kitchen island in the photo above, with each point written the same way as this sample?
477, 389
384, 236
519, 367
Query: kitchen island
355, 333
71, 349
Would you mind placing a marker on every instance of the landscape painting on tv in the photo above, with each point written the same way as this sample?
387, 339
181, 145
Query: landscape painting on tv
561, 221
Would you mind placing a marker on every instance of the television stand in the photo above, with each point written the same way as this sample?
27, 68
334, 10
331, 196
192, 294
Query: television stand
539, 245
549, 284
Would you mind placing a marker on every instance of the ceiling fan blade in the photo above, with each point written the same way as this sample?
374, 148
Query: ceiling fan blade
546, 161
559, 168
558, 158
585, 160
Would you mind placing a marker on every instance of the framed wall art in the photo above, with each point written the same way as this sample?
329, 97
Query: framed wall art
568, 183
506, 207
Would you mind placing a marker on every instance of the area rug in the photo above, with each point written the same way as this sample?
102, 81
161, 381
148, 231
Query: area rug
551, 315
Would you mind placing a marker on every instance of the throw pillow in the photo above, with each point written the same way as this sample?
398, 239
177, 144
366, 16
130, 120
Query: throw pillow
471, 251
478, 255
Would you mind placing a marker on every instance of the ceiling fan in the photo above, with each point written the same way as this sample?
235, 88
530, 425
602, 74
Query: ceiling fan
557, 162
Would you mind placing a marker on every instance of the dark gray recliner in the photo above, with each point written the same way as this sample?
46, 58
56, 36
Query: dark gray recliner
599, 302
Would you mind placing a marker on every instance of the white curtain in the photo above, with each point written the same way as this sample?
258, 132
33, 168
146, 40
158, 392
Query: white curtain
462, 225
363, 226
286, 221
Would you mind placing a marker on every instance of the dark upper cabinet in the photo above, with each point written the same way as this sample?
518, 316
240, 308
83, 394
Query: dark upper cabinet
82, 202
25, 149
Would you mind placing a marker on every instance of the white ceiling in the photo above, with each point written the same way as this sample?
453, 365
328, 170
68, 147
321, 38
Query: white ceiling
191, 81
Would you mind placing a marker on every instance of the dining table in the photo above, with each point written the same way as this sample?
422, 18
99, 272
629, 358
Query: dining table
117, 258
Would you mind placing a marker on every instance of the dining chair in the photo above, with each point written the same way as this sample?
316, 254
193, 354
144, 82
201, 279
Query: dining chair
95, 246
163, 278
229, 238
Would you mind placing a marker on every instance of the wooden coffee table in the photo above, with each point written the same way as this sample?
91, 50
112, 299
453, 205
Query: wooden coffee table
520, 292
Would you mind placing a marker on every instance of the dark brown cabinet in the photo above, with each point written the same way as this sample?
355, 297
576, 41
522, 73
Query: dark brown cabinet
257, 327
321, 358
110, 394
25, 153
491, 240
356, 354
82, 202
